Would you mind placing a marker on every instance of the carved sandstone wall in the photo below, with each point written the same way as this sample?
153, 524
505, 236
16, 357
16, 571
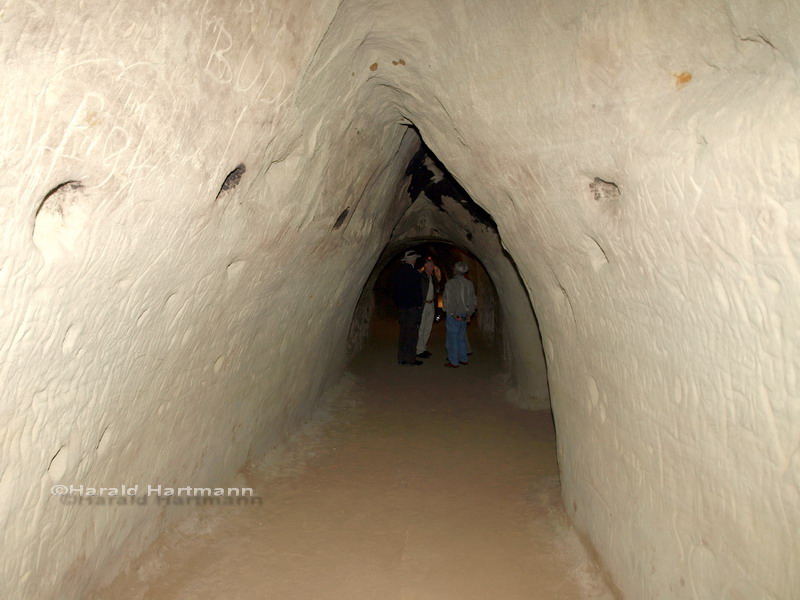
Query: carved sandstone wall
171, 269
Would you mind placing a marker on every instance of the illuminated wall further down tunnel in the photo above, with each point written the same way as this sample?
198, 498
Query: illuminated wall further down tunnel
193, 197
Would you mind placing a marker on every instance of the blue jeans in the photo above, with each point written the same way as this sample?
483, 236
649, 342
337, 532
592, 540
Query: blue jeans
456, 339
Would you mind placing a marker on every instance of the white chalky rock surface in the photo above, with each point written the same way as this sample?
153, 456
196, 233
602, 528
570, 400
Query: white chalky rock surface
521, 337
641, 162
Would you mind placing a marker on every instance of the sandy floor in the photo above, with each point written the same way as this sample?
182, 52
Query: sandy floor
413, 483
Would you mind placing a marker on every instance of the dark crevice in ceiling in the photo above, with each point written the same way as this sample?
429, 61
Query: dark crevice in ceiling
424, 178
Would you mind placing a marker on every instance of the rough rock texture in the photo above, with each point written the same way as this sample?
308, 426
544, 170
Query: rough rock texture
389, 493
520, 334
505, 315
178, 278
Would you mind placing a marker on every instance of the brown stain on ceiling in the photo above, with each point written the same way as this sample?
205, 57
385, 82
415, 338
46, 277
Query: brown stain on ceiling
682, 79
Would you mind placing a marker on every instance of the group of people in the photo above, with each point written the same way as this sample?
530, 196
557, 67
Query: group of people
415, 289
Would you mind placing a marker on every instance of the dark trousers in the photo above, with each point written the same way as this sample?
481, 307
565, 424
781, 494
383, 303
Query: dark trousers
409, 328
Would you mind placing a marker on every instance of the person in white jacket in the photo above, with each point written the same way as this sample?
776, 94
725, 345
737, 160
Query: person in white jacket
458, 302
430, 289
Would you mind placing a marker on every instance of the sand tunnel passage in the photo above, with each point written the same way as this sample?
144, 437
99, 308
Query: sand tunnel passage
423, 485
193, 196
443, 221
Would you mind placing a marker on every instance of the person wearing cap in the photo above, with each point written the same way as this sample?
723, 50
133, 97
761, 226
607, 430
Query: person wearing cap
407, 292
458, 302
430, 288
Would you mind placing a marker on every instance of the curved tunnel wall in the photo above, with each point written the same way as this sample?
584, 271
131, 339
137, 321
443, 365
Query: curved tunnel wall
453, 220
640, 162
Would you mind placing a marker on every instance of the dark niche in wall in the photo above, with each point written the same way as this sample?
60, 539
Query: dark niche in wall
429, 175
232, 179
340, 220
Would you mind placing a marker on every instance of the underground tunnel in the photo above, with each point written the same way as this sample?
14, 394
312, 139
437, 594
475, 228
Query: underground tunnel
377, 293
377, 303
199, 198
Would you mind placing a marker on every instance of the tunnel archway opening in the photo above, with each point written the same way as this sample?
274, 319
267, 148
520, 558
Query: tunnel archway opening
434, 208
439, 217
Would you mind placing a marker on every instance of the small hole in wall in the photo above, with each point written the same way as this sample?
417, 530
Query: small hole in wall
50, 201
604, 190
60, 218
233, 178
607, 195
340, 220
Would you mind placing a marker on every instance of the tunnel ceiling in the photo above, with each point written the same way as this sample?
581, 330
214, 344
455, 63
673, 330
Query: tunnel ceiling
183, 179
428, 176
